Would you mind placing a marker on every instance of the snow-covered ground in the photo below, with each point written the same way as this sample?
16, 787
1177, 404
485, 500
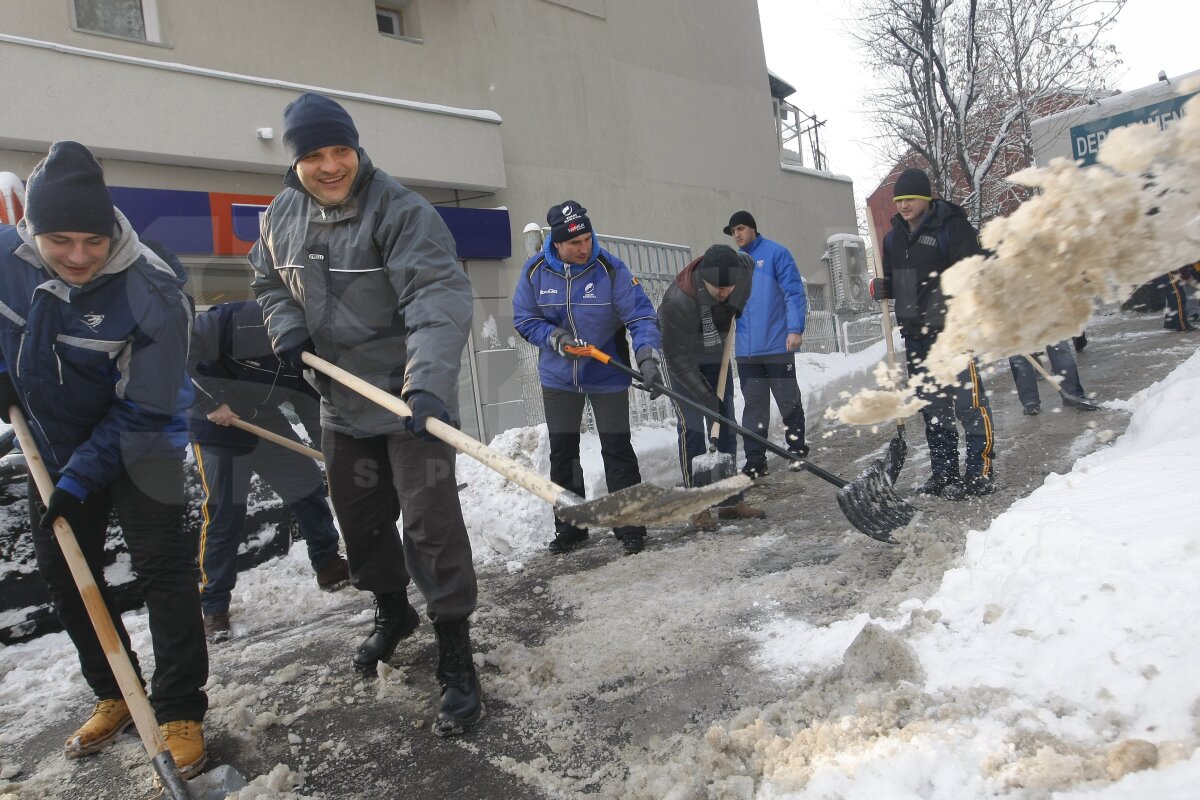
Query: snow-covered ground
1067, 635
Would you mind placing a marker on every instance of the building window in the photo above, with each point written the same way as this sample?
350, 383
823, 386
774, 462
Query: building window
398, 19
389, 21
126, 19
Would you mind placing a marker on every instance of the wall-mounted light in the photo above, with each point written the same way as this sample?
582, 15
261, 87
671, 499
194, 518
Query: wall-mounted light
265, 133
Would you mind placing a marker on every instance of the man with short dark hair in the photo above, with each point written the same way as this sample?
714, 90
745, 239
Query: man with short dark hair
927, 238
361, 271
769, 332
93, 348
573, 292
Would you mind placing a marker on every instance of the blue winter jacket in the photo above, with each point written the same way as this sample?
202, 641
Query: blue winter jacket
100, 368
777, 305
595, 301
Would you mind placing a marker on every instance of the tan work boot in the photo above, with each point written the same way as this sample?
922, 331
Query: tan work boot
705, 521
740, 510
110, 718
185, 740
334, 575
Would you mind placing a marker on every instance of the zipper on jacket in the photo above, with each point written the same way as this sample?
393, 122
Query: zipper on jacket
571, 320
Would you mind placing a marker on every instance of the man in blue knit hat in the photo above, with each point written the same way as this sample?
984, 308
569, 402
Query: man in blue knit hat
361, 271
93, 348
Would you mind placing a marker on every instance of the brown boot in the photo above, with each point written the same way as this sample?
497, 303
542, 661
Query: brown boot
185, 740
740, 510
705, 521
333, 575
109, 719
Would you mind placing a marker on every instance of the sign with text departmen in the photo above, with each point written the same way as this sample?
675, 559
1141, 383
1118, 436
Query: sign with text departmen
1086, 138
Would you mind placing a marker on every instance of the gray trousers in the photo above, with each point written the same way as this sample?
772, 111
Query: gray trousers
375, 479
1062, 362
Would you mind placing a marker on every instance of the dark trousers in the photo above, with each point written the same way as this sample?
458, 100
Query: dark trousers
375, 479
966, 400
148, 498
1062, 363
225, 477
694, 428
564, 416
1174, 293
763, 377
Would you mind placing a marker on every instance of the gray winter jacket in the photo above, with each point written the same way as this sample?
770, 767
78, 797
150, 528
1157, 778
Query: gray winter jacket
375, 283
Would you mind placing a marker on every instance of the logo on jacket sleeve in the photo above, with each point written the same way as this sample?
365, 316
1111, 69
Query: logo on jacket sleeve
93, 320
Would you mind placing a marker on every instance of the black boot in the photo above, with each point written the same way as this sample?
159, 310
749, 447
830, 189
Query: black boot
462, 699
395, 619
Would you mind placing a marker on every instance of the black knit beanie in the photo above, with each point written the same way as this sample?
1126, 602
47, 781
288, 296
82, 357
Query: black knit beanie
567, 220
65, 193
740, 218
724, 266
313, 121
912, 184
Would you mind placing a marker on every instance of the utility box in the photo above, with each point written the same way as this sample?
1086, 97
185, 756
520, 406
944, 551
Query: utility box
849, 274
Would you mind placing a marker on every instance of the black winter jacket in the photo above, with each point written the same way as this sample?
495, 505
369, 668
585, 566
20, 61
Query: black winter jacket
694, 325
913, 262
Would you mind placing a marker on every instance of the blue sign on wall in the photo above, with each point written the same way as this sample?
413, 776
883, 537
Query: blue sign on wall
1086, 138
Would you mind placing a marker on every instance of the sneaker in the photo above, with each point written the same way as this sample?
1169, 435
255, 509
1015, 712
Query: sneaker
740, 510
185, 740
755, 469
979, 485
633, 543
705, 521
567, 541
216, 627
110, 719
1033, 410
947, 486
334, 575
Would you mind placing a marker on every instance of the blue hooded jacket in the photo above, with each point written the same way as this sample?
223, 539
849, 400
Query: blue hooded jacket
595, 301
777, 304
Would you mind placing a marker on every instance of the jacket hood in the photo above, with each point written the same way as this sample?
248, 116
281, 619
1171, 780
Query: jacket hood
365, 168
689, 282
555, 263
125, 249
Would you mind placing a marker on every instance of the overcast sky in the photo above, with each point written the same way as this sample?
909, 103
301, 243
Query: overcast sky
807, 45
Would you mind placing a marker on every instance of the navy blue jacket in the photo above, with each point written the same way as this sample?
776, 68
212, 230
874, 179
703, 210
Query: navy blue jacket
778, 304
100, 368
596, 302
231, 363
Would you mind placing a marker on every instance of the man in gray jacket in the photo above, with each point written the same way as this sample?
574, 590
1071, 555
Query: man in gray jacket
361, 271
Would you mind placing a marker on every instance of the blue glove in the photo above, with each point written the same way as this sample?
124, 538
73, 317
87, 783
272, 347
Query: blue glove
425, 405
63, 504
294, 356
8, 396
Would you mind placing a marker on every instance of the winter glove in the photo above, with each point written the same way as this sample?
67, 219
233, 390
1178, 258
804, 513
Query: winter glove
881, 289
8, 396
712, 404
62, 504
648, 363
561, 339
425, 405
294, 356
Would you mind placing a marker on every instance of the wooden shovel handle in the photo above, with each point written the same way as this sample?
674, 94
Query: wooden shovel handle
282, 441
723, 376
118, 659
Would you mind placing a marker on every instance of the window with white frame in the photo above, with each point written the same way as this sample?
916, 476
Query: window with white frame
127, 19
398, 19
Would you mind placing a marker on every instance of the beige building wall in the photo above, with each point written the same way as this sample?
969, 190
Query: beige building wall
655, 115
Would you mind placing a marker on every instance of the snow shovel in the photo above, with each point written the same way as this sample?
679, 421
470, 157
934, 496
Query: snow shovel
643, 504
1071, 399
869, 502
212, 785
897, 450
717, 466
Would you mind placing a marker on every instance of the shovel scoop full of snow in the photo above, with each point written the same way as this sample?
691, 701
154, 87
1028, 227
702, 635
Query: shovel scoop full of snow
648, 504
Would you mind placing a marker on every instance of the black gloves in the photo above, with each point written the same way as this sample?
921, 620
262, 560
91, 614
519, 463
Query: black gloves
425, 405
294, 356
881, 289
648, 363
8, 396
562, 339
62, 504
712, 403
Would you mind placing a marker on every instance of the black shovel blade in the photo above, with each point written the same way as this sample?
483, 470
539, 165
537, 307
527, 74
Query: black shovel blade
711, 468
893, 460
871, 504
649, 504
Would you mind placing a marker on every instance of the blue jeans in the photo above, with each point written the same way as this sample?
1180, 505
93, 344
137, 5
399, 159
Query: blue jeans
1062, 363
225, 476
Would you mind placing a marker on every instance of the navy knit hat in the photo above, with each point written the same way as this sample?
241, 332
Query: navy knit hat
724, 266
740, 218
567, 220
313, 121
65, 193
913, 184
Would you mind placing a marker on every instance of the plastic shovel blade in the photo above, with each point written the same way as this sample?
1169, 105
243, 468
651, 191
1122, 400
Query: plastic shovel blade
649, 504
893, 460
872, 506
